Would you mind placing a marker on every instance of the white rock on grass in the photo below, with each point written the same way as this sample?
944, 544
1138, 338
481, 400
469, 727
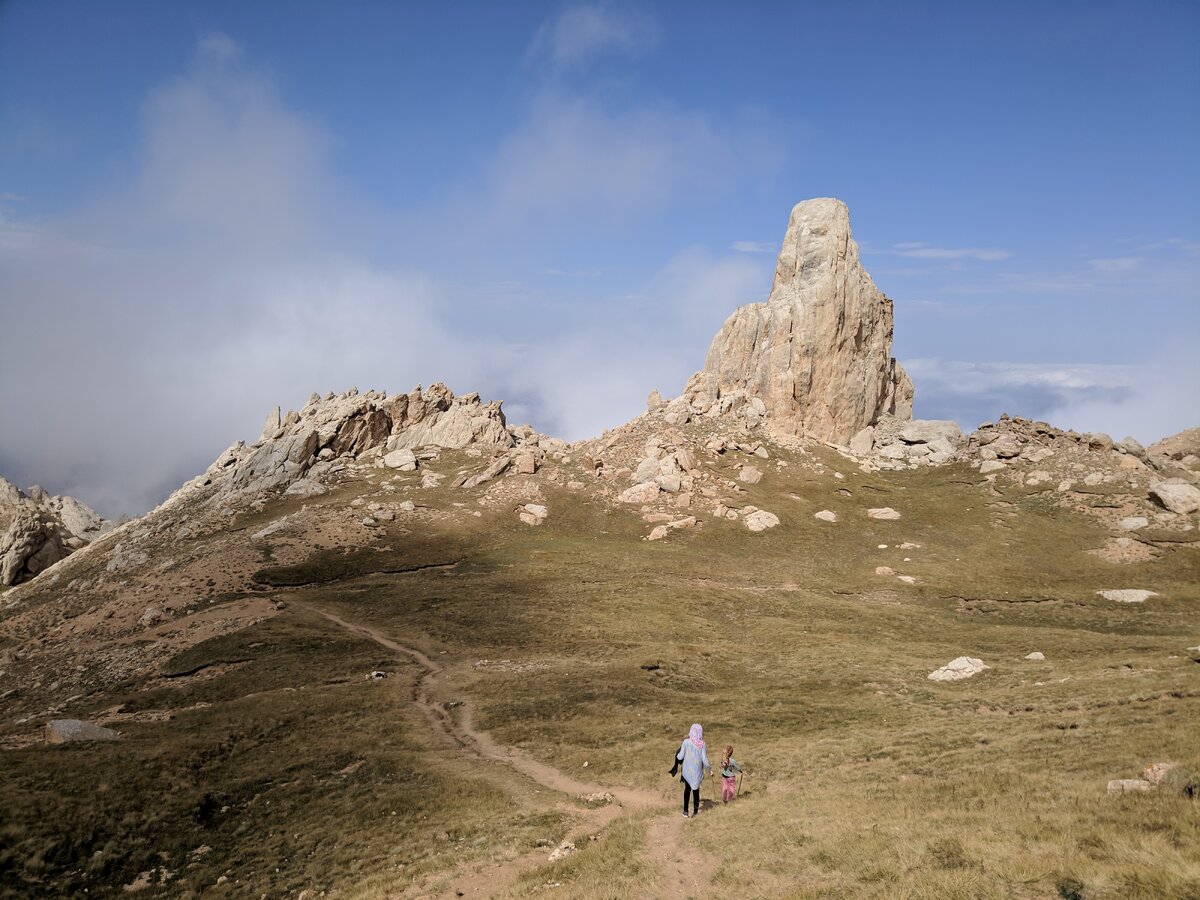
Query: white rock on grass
826, 515
750, 475
62, 731
404, 460
1127, 595
883, 512
565, 849
907, 579
1176, 495
761, 520
1129, 786
1036, 656
958, 669
533, 513
305, 487
1133, 523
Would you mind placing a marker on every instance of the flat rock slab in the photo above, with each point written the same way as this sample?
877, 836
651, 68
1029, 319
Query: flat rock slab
1127, 595
63, 731
826, 515
958, 669
1129, 786
883, 512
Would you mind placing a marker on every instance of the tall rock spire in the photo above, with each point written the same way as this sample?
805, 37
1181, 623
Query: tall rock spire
818, 353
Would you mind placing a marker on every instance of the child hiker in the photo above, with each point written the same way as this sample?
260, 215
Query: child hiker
729, 773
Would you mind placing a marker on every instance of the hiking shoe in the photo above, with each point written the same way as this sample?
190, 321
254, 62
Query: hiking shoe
685, 815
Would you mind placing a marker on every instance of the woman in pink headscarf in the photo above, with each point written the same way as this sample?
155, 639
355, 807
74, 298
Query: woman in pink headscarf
694, 756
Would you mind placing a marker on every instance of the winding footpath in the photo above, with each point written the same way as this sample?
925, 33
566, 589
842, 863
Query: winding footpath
684, 872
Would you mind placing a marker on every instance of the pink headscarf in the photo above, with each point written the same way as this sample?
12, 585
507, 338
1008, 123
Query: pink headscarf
697, 736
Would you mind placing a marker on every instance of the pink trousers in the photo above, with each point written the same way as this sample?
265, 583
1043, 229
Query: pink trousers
728, 787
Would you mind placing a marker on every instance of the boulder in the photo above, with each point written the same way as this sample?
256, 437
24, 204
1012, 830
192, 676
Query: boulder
863, 441
646, 492
497, 467
826, 515
1129, 786
883, 512
1127, 595
63, 731
669, 483
305, 487
750, 475
403, 459
533, 513
648, 469
1036, 656
1176, 495
1156, 772
817, 355
926, 431
526, 462
958, 669
989, 466
760, 520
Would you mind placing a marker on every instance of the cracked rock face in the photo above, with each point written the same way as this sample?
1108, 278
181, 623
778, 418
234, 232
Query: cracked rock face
817, 354
37, 530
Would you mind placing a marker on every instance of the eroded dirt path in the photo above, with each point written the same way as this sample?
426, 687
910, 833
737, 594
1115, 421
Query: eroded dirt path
685, 872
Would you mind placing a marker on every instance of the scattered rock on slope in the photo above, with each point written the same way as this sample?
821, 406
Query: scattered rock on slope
1127, 595
958, 669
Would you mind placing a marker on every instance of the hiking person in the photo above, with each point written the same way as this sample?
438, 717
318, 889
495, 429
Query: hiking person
694, 756
729, 772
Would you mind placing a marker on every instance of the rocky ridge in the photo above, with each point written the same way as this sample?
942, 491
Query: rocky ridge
37, 530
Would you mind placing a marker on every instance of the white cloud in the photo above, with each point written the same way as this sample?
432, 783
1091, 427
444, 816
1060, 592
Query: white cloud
1116, 265
1147, 400
754, 247
167, 315
917, 250
570, 155
581, 33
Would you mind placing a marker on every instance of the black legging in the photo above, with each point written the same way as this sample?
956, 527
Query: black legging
695, 795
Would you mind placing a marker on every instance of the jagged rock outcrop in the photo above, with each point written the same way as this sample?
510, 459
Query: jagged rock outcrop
37, 530
355, 425
815, 359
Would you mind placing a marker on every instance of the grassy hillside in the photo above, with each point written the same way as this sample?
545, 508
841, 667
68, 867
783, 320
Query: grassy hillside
266, 757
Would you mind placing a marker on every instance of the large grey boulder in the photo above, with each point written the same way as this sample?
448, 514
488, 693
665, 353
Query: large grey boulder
1176, 495
818, 354
64, 731
926, 431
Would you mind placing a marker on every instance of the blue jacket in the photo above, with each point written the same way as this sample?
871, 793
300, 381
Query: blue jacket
695, 763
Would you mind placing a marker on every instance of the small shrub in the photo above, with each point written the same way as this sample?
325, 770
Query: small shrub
949, 853
1069, 888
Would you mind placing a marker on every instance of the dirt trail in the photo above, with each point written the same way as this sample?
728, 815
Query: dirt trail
686, 872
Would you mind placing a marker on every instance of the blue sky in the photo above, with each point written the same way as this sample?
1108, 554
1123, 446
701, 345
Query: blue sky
209, 209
